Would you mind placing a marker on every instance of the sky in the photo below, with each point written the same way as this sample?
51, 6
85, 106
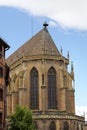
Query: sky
67, 19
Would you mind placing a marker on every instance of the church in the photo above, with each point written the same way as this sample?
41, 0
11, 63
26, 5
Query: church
39, 80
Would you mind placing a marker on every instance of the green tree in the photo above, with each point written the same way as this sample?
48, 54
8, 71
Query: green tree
21, 119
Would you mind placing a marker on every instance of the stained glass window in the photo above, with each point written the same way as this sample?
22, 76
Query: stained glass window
52, 102
34, 101
52, 126
66, 126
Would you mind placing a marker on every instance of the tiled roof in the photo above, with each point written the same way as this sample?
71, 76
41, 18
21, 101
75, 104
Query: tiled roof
40, 44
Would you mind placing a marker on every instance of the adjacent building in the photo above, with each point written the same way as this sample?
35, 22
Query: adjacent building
39, 80
3, 82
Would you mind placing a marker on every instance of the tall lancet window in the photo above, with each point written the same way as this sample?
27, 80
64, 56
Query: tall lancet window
52, 126
66, 126
34, 94
52, 102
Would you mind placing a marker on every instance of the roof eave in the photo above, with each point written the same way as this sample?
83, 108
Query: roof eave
3, 43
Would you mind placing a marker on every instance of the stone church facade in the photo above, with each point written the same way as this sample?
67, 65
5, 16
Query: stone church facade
39, 80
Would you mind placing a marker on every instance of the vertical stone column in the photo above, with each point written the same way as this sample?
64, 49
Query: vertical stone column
14, 100
21, 79
14, 93
9, 105
22, 89
21, 82
43, 98
71, 101
63, 99
22, 96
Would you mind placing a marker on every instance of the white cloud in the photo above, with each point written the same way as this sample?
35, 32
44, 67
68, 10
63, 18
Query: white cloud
81, 111
67, 13
52, 23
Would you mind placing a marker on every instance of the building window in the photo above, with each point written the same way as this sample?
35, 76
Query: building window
36, 126
81, 126
66, 126
77, 126
34, 97
1, 72
1, 94
52, 102
0, 118
52, 126
42, 79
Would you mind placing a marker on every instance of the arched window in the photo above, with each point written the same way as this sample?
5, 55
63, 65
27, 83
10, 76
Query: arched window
42, 79
1, 94
52, 103
36, 126
77, 126
0, 118
34, 98
52, 126
66, 126
81, 126
1, 72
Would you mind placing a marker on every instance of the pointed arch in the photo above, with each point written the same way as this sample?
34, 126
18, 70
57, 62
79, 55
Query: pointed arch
34, 98
52, 126
52, 102
66, 126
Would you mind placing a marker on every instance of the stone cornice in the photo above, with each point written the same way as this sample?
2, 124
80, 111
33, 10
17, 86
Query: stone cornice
38, 57
60, 116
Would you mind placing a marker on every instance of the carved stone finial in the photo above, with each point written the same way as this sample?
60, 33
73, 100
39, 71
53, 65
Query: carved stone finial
68, 55
72, 71
61, 51
72, 66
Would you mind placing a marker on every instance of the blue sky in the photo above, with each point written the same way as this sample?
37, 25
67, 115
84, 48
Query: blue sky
18, 24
